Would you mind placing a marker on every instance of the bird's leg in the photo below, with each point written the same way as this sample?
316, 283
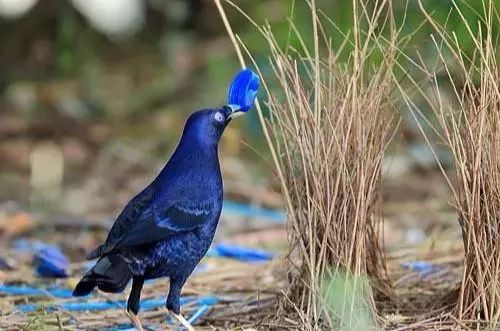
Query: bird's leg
182, 320
134, 300
173, 302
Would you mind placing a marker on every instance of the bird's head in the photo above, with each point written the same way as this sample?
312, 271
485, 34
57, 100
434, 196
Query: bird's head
206, 126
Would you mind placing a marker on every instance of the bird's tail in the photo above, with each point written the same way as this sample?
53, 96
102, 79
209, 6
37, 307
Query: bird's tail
110, 274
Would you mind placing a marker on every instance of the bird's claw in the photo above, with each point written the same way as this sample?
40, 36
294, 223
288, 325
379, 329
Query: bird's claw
135, 319
182, 320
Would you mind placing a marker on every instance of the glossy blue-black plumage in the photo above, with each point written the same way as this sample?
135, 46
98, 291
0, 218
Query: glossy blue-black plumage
167, 228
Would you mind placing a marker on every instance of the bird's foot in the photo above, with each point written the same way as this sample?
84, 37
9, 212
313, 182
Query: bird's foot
182, 320
135, 319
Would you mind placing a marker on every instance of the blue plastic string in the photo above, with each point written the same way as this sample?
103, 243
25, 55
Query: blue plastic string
147, 304
198, 314
246, 210
33, 291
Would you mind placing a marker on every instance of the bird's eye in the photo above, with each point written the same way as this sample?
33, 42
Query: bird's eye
219, 117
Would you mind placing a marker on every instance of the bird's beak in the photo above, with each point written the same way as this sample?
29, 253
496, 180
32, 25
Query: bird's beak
234, 111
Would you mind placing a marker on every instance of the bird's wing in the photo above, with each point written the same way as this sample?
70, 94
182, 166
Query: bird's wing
184, 216
143, 221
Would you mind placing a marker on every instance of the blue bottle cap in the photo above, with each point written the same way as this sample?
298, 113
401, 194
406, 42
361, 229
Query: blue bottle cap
243, 89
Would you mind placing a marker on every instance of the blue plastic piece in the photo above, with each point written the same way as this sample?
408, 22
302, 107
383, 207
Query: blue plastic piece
240, 253
125, 327
33, 291
207, 300
198, 314
243, 89
148, 304
51, 262
204, 305
246, 210
424, 268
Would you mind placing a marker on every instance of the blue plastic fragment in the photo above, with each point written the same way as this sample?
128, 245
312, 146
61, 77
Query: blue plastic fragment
147, 304
424, 268
207, 300
33, 291
246, 210
204, 301
204, 305
51, 262
130, 327
243, 89
198, 314
240, 253
124, 327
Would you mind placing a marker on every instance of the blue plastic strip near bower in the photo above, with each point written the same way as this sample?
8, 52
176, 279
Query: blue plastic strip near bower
423, 268
246, 210
241, 253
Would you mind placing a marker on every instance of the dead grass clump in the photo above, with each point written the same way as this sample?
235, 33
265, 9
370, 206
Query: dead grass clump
469, 123
327, 132
329, 129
